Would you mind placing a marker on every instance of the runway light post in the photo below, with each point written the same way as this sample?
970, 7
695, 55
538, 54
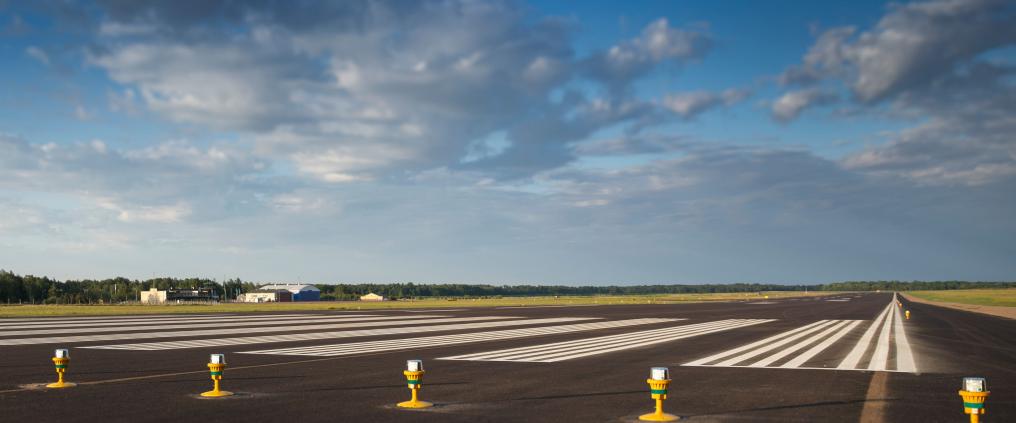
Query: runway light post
908, 314
974, 393
216, 364
659, 379
414, 376
61, 358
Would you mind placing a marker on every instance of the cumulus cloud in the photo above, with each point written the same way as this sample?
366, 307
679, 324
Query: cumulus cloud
791, 104
364, 90
910, 48
922, 60
658, 43
689, 105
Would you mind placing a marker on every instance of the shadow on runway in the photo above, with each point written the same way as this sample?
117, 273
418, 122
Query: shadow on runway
794, 406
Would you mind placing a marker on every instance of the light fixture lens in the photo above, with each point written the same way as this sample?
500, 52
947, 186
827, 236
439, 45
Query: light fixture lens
975, 384
414, 365
62, 353
218, 359
659, 373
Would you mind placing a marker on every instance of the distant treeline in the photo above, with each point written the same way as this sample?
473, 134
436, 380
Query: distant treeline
17, 289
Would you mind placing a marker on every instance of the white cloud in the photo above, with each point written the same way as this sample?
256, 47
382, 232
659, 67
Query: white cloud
911, 47
38, 54
790, 105
691, 104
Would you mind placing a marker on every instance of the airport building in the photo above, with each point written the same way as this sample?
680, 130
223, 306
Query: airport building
372, 297
301, 292
169, 296
267, 296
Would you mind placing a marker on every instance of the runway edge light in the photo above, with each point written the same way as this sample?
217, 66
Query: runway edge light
975, 393
414, 377
216, 365
659, 380
61, 358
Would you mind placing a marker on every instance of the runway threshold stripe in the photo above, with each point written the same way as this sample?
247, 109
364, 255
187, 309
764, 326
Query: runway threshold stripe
904, 355
86, 318
568, 346
765, 362
862, 345
227, 331
880, 359
219, 342
445, 340
773, 346
751, 345
231, 324
567, 350
131, 322
885, 331
808, 355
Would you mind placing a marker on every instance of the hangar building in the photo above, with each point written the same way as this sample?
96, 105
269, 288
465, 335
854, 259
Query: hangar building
301, 292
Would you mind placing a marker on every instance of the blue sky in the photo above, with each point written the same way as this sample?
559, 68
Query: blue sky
509, 142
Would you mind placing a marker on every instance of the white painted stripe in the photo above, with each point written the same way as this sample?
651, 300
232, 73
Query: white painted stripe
796, 368
569, 350
765, 362
87, 318
566, 346
430, 311
481, 336
227, 331
522, 352
618, 345
218, 342
880, 359
773, 338
228, 324
71, 324
775, 345
904, 356
854, 357
807, 355
445, 340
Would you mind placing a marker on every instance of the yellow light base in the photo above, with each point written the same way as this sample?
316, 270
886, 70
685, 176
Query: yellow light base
214, 394
58, 385
658, 417
415, 404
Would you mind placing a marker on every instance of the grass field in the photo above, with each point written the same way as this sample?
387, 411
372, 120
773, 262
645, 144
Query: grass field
82, 310
986, 297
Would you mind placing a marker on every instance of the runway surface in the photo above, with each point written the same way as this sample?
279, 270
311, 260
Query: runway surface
847, 358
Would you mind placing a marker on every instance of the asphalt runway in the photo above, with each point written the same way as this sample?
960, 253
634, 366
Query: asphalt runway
848, 358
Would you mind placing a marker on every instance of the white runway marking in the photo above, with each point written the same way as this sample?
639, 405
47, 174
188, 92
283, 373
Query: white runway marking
110, 318
567, 350
430, 311
381, 321
854, 357
818, 337
291, 324
218, 342
445, 340
175, 319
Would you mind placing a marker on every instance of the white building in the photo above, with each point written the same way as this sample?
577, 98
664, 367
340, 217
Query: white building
372, 297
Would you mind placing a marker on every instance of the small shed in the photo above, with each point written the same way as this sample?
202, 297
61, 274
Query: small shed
372, 297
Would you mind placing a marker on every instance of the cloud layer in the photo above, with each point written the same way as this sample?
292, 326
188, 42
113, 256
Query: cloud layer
473, 141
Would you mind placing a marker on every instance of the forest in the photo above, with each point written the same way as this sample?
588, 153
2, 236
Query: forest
28, 289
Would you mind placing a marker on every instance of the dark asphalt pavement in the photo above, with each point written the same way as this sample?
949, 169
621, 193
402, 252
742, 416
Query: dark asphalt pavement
161, 385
